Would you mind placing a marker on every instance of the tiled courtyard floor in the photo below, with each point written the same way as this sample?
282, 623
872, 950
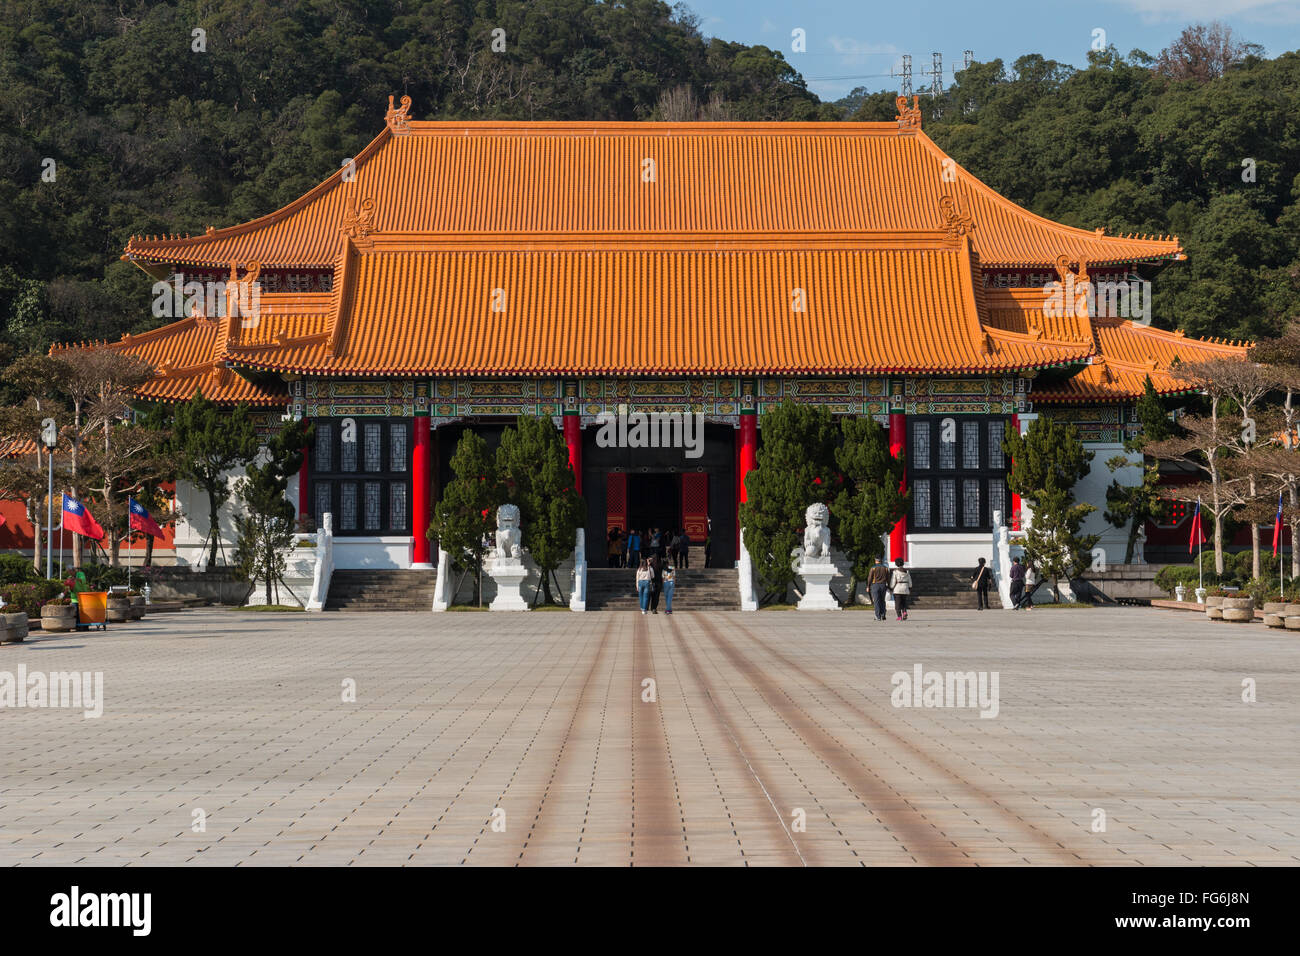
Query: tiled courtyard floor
1137, 713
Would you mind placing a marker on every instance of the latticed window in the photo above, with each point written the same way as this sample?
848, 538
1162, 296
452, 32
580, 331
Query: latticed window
374, 453
324, 447
970, 445
948, 503
956, 490
397, 455
970, 503
397, 506
921, 503
920, 448
372, 503
997, 432
348, 506
381, 451
998, 499
324, 499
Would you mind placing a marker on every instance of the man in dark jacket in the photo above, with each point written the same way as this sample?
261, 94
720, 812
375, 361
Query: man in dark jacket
656, 582
683, 550
1017, 583
877, 586
981, 580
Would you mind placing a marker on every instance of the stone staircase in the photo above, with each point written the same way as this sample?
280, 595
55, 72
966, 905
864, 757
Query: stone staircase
697, 589
934, 588
381, 591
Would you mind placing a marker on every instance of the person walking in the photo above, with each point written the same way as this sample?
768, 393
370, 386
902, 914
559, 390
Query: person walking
1032, 580
980, 581
683, 550
634, 549
643, 585
615, 549
878, 586
900, 582
1017, 583
669, 580
656, 582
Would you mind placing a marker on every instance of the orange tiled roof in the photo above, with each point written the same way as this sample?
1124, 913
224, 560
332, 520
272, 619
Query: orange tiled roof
1126, 354
793, 181
685, 311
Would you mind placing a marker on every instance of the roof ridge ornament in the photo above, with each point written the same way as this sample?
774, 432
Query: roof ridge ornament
358, 218
955, 224
909, 118
399, 118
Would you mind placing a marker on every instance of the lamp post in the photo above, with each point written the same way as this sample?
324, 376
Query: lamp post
50, 437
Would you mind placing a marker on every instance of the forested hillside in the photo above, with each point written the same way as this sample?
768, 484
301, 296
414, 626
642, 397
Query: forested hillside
150, 134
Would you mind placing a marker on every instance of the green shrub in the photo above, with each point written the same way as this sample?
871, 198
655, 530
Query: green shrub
31, 597
101, 577
1172, 575
15, 568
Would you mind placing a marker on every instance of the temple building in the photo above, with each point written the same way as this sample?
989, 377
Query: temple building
454, 275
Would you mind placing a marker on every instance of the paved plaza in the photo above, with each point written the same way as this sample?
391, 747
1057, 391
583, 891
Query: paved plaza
771, 739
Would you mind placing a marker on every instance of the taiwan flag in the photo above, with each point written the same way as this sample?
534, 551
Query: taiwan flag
1277, 526
79, 521
142, 521
1198, 536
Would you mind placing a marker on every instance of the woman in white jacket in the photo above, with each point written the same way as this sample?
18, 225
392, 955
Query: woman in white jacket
900, 583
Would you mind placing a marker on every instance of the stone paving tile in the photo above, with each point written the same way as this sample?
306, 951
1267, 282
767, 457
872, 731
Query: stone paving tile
772, 741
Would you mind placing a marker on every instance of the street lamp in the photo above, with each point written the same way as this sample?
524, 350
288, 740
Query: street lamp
50, 437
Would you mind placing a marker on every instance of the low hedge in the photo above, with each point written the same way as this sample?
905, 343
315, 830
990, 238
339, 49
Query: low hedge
31, 597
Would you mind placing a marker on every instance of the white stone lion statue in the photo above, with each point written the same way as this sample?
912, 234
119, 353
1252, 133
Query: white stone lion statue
508, 535
817, 533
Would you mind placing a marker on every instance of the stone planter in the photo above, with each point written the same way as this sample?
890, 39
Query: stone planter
13, 628
118, 609
59, 617
1275, 613
1214, 607
137, 607
1239, 609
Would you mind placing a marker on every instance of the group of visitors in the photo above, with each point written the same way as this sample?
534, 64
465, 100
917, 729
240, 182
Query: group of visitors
882, 580
1024, 578
627, 550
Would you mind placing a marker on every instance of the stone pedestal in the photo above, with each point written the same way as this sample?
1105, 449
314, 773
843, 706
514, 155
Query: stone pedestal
817, 577
509, 576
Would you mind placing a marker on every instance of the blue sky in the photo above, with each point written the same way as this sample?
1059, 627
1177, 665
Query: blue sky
850, 40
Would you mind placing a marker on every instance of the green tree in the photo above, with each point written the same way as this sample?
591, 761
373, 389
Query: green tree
796, 467
869, 500
465, 516
208, 440
1047, 462
532, 465
265, 528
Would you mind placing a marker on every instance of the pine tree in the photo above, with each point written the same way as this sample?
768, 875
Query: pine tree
1047, 462
869, 501
465, 517
533, 467
266, 527
207, 441
796, 467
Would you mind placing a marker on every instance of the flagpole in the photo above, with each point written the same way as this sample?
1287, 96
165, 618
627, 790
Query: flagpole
1200, 548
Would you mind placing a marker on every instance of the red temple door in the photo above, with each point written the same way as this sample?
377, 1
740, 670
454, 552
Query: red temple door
695, 506
616, 501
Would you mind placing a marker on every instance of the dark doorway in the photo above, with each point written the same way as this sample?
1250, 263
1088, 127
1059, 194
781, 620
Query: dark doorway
653, 501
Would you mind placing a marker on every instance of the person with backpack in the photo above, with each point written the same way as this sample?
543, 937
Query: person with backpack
643, 585
900, 583
980, 581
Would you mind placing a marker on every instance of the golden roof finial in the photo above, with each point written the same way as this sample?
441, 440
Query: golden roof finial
909, 118
398, 118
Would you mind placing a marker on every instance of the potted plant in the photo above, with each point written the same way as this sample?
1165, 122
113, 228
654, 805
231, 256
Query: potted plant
59, 614
1239, 607
1214, 603
13, 624
137, 604
117, 608
1274, 608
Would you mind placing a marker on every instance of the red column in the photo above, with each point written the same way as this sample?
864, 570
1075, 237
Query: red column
420, 509
897, 446
573, 438
1014, 523
304, 499
746, 461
